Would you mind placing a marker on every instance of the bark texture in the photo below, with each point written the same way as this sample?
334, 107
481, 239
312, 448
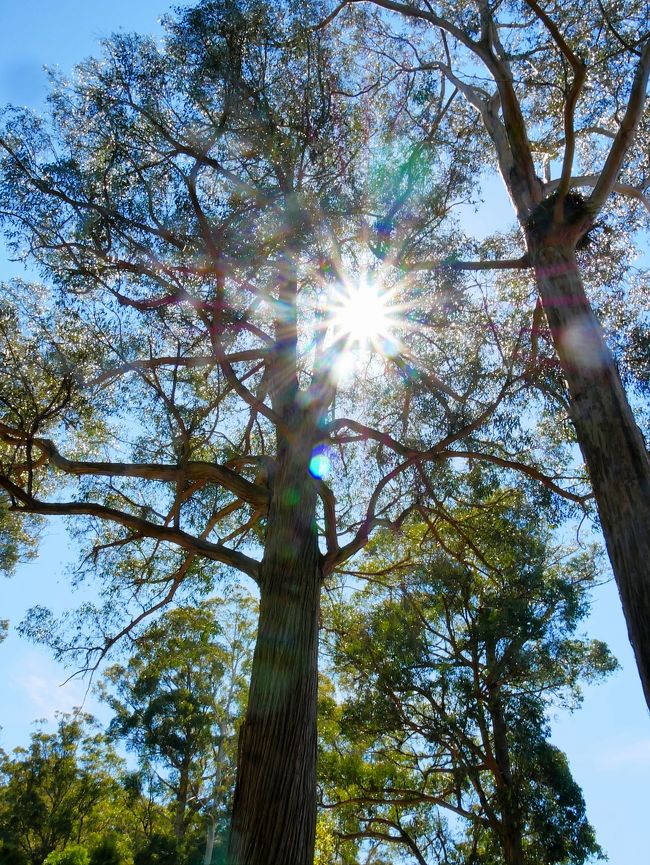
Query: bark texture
612, 445
274, 811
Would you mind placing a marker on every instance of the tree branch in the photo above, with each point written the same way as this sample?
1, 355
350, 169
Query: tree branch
625, 135
144, 528
521, 263
592, 180
173, 360
517, 466
193, 471
329, 515
579, 75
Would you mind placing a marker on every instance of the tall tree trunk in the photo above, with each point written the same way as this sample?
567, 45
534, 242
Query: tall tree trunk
274, 809
611, 443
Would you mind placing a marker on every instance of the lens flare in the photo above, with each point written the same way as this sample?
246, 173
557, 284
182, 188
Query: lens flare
320, 463
365, 316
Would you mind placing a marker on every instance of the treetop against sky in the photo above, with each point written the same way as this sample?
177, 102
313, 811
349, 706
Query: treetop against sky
208, 292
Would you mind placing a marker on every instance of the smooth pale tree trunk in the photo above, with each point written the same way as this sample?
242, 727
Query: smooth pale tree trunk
219, 768
274, 809
218, 780
210, 838
612, 445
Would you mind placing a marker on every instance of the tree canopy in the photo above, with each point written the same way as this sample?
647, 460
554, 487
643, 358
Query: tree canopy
449, 664
55, 792
565, 86
262, 336
178, 701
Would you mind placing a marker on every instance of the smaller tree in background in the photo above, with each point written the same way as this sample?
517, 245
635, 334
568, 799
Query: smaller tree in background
177, 702
153, 842
450, 658
60, 791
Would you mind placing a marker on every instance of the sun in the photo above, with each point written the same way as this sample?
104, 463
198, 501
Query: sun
365, 316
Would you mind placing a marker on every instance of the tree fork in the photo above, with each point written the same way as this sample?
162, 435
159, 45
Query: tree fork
611, 443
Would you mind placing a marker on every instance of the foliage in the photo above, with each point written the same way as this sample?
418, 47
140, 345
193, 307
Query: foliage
183, 190
325, 841
17, 540
178, 701
159, 850
62, 790
106, 852
74, 855
450, 661
201, 208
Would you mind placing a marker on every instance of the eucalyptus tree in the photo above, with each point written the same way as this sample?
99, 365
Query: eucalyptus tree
448, 664
237, 637
200, 210
558, 93
60, 790
178, 700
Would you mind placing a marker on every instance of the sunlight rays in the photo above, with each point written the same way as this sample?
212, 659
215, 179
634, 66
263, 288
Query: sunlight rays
365, 316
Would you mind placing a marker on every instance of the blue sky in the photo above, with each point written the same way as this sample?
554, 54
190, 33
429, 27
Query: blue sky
607, 741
